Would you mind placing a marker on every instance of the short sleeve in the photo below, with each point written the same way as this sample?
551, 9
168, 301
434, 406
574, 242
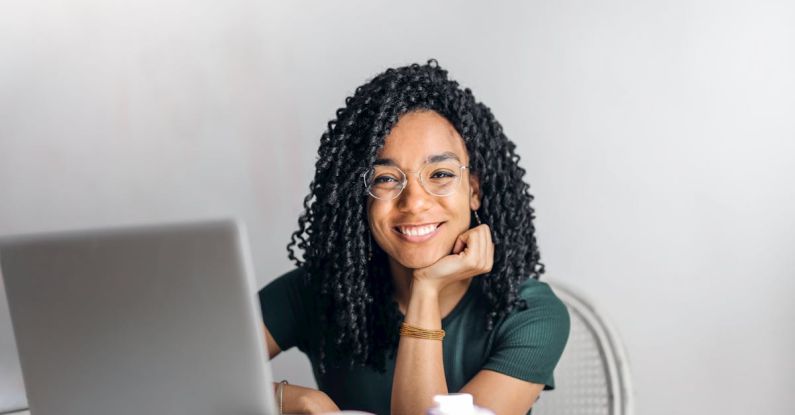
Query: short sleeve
529, 342
286, 309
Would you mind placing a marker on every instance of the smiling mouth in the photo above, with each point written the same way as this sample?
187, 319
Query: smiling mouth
418, 233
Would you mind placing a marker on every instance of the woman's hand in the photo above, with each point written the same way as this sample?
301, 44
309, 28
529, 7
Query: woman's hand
473, 254
318, 402
301, 400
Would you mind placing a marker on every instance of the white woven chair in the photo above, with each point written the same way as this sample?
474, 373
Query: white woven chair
592, 377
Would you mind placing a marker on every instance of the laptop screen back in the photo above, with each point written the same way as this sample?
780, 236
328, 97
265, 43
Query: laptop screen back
154, 320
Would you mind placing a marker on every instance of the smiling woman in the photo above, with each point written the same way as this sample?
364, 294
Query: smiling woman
419, 273
417, 225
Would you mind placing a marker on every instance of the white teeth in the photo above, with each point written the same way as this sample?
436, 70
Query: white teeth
419, 230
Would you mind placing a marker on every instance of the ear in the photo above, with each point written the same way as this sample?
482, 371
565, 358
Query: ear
474, 192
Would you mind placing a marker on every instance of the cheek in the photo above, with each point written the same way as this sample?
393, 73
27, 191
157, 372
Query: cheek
376, 222
460, 213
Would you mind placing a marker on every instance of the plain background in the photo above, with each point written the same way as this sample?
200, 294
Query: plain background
658, 138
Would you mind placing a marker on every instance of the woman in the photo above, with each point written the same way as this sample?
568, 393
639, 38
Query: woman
420, 267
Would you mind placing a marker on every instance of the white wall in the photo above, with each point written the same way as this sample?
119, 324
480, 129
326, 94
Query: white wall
658, 138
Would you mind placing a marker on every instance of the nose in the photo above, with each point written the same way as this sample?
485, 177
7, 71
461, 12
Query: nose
414, 197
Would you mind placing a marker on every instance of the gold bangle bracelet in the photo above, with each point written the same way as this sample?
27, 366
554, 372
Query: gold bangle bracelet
281, 396
420, 333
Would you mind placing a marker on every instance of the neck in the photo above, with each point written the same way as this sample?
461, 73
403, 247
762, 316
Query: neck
448, 297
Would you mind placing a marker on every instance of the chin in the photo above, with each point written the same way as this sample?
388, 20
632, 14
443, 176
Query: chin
418, 261
416, 264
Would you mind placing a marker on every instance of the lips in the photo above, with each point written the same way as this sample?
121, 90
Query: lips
418, 233
418, 230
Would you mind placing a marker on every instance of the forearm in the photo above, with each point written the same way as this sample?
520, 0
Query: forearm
301, 400
419, 368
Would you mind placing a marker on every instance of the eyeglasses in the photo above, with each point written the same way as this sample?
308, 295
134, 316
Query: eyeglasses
439, 179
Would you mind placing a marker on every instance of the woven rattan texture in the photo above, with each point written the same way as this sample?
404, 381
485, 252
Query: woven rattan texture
581, 378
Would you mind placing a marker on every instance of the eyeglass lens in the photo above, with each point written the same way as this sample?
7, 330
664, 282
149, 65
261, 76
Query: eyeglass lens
440, 179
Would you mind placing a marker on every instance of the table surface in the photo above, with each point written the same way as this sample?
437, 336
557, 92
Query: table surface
28, 413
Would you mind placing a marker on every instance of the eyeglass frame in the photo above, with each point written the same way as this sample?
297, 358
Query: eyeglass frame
405, 181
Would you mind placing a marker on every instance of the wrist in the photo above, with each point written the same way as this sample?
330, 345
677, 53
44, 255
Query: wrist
315, 401
307, 404
423, 287
423, 306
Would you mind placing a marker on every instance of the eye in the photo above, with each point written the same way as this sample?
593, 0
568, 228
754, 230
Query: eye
441, 174
384, 179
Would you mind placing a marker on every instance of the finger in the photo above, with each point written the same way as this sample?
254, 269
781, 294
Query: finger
489, 241
462, 242
471, 253
487, 249
492, 249
484, 252
475, 253
475, 242
459, 245
490, 255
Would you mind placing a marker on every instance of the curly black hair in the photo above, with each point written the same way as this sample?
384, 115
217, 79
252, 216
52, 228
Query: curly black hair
355, 294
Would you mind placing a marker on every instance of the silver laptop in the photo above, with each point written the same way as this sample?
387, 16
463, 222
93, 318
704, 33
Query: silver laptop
138, 321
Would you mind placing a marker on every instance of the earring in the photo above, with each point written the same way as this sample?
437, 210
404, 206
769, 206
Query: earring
477, 218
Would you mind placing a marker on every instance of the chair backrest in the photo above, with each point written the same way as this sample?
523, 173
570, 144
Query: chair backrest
592, 377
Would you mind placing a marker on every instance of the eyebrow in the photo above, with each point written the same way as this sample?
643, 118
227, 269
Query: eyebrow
435, 158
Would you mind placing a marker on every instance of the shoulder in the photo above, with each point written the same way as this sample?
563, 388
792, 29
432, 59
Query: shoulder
288, 309
529, 341
290, 289
538, 294
295, 276
542, 316
294, 279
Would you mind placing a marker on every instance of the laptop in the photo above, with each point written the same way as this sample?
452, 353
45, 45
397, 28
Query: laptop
12, 391
138, 320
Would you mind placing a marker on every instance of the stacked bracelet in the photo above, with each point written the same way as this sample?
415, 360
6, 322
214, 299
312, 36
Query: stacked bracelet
420, 333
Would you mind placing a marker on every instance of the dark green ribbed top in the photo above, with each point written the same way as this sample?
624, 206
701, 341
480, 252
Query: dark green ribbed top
526, 344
